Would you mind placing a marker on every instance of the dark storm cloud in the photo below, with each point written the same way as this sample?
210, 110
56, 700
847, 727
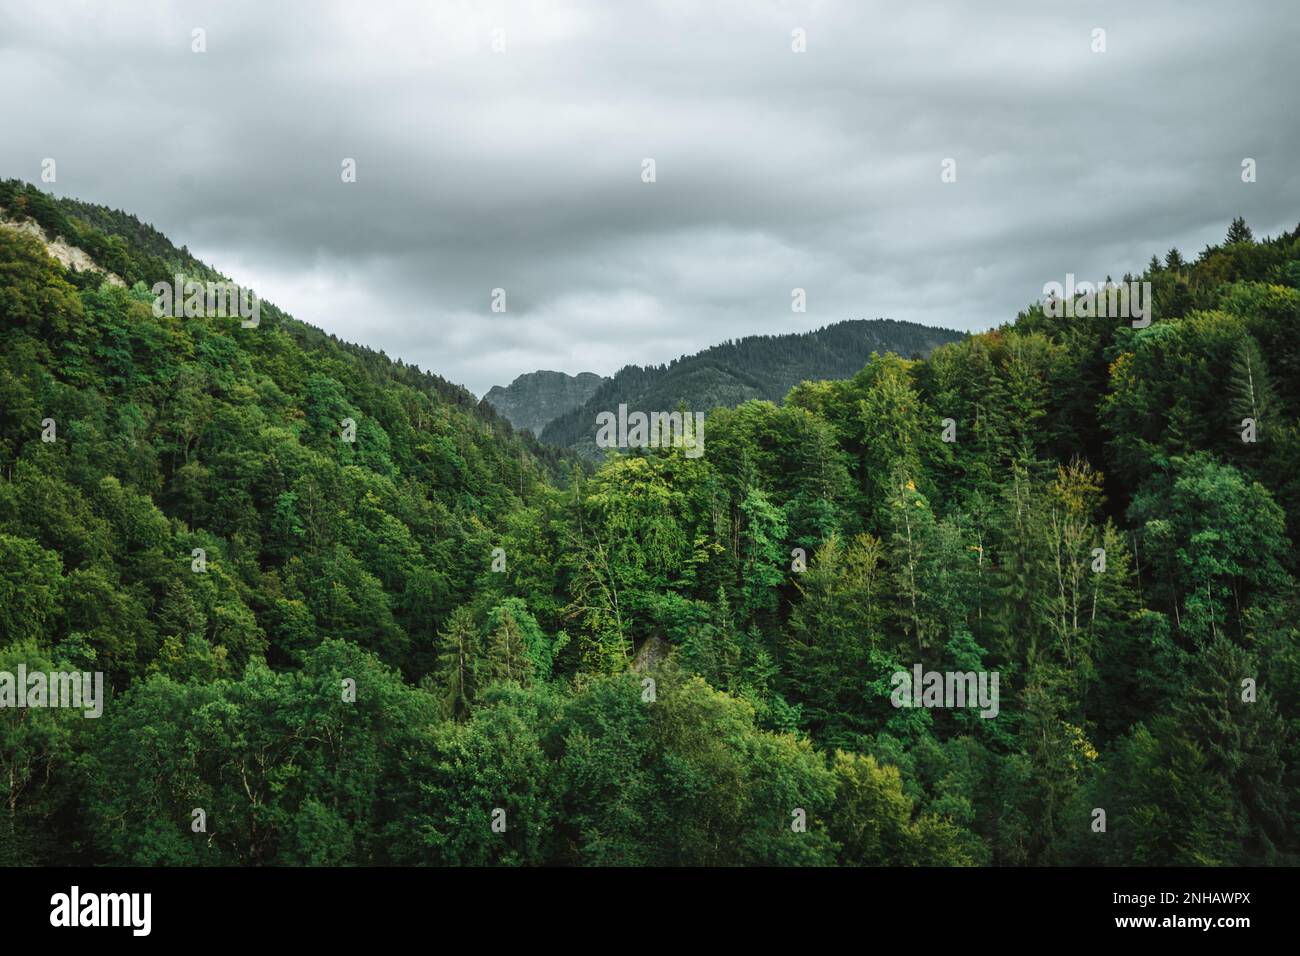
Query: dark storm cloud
775, 170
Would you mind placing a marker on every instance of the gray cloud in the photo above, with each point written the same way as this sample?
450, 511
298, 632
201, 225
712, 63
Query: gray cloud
522, 169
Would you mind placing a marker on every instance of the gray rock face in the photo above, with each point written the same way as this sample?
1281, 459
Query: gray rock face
535, 399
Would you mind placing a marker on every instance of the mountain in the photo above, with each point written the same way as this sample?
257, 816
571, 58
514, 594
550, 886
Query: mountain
365, 650
755, 367
169, 433
534, 399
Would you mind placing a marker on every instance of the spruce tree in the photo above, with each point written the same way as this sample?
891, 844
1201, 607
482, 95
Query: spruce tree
1239, 232
453, 679
507, 656
1250, 387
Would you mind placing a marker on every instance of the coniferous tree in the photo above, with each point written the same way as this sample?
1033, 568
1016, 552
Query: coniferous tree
455, 677
1251, 388
1239, 232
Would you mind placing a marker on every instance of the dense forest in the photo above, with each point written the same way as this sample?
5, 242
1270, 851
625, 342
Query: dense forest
442, 643
734, 372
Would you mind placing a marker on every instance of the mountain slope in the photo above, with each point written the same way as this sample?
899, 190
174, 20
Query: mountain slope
535, 399
169, 434
755, 367
179, 510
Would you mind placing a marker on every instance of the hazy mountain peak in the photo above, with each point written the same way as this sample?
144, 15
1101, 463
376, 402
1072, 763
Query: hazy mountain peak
534, 399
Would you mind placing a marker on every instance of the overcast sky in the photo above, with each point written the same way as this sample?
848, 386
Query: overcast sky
522, 169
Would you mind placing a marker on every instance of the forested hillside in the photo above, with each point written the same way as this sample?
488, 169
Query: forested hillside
632, 665
755, 367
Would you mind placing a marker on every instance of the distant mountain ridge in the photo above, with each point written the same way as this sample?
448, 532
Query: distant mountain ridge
535, 399
736, 371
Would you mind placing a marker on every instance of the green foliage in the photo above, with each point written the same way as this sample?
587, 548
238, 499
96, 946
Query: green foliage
669, 661
757, 367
